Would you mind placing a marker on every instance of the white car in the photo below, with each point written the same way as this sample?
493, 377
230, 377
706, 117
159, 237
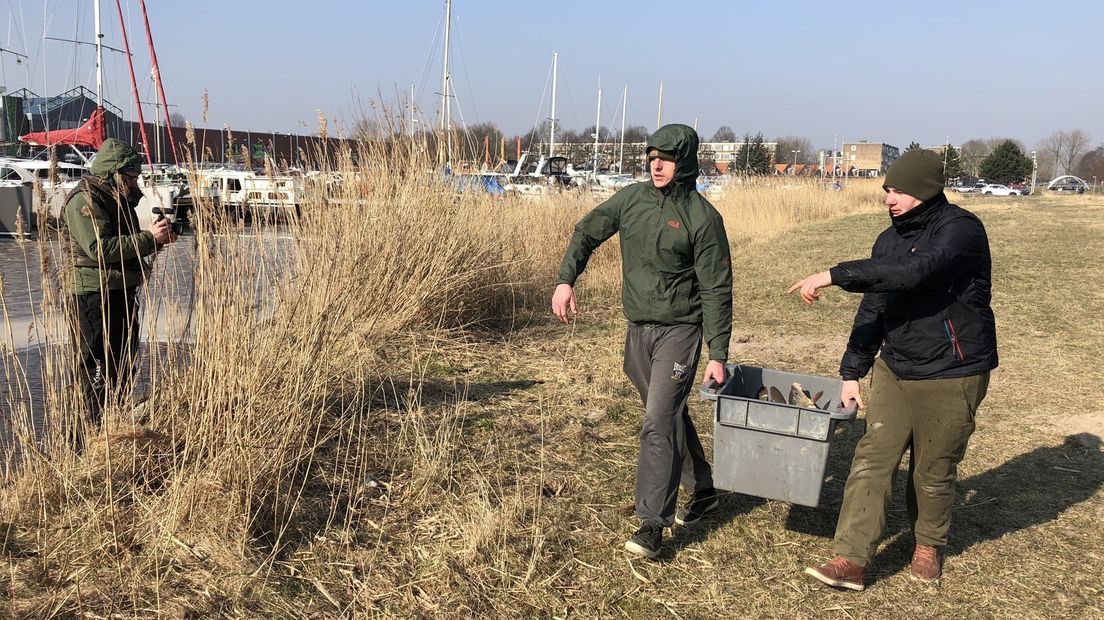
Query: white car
996, 189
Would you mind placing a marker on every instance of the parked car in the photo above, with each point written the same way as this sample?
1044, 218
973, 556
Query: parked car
996, 189
1019, 187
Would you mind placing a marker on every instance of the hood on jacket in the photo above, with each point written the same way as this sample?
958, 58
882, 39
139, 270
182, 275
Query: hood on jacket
681, 140
112, 156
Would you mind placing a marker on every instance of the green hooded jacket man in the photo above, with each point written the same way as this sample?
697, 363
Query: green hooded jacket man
676, 289
107, 248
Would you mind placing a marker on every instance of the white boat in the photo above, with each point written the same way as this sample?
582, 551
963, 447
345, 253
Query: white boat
31, 172
249, 194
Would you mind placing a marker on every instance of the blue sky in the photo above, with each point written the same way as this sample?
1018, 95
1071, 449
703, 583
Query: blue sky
882, 71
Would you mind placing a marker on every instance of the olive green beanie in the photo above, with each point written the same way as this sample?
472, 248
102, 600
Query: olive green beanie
918, 173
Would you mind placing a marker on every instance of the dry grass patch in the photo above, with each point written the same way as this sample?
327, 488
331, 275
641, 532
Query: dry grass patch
376, 417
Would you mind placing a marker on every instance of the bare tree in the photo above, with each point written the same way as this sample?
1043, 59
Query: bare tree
788, 144
724, 134
1050, 151
481, 142
177, 119
1076, 143
636, 133
973, 152
1062, 148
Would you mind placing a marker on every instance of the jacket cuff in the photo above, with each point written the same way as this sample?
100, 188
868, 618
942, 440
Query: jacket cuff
839, 275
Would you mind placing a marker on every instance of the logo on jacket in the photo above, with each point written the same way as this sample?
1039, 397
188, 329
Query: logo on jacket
673, 223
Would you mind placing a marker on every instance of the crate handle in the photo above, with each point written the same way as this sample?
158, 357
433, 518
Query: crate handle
845, 413
710, 389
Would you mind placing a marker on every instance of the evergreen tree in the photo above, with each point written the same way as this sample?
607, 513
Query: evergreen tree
914, 145
753, 157
954, 168
1006, 164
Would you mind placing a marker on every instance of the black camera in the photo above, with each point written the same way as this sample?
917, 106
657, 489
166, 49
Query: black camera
178, 225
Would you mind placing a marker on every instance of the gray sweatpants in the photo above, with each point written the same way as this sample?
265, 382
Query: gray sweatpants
661, 361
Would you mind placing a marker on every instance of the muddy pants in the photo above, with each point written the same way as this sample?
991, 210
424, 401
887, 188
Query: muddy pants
661, 361
932, 419
101, 327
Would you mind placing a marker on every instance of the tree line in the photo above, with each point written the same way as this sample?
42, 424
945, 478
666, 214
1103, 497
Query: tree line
1001, 160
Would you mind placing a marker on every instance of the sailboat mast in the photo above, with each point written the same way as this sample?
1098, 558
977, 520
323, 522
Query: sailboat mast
133, 82
160, 86
552, 131
446, 112
99, 56
659, 113
621, 152
597, 129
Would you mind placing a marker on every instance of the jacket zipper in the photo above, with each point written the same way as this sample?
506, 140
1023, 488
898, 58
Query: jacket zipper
956, 348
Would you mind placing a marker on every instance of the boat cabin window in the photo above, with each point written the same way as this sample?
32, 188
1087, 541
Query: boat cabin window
233, 185
9, 174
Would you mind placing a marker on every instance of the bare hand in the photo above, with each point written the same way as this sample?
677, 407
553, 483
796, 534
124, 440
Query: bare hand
851, 391
562, 299
162, 232
811, 284
715, 371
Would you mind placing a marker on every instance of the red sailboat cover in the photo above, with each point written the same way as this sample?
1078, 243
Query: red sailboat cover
91, 133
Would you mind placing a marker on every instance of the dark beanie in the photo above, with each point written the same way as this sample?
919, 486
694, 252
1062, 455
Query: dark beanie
918, 173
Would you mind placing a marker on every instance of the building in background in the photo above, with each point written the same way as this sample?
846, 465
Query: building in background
867, 159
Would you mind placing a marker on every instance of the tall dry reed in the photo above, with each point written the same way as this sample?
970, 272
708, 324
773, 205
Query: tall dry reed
288, 407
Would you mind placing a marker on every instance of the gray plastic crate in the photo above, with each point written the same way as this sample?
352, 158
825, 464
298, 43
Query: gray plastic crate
770, 449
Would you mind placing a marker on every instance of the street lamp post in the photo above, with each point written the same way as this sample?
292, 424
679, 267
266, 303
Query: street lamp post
793, 170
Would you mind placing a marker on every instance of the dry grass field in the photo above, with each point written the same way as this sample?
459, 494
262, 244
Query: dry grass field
393, 426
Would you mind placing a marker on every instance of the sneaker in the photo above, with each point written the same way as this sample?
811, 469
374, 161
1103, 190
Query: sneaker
839, 572
926, 565
699, 505
646, 541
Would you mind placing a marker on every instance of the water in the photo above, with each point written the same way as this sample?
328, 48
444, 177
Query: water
34, 335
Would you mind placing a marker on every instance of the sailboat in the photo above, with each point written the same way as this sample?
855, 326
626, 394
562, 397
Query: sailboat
550, 173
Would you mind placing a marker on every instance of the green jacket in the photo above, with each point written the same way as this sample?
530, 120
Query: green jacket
674, 251
106, 241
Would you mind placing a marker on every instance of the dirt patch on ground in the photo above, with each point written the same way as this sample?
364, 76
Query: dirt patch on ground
1088, 427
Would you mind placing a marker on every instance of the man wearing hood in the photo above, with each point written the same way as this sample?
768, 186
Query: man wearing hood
926, 307
676, 288
107, 247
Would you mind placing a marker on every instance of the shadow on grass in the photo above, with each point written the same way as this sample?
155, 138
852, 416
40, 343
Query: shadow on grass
1023, 492
821, 520
732, 505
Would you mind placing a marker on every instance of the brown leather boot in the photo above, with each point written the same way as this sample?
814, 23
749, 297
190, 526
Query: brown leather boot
926, 564
839, 572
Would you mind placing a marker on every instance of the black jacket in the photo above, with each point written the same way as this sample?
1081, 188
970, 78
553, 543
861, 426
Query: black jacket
927, 290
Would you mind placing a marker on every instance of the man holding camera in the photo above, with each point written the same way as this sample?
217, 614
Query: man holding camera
107, 247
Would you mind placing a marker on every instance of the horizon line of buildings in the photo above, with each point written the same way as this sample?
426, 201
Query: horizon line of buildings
23, 112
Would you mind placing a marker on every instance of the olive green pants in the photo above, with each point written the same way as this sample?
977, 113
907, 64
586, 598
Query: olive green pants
932, 419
